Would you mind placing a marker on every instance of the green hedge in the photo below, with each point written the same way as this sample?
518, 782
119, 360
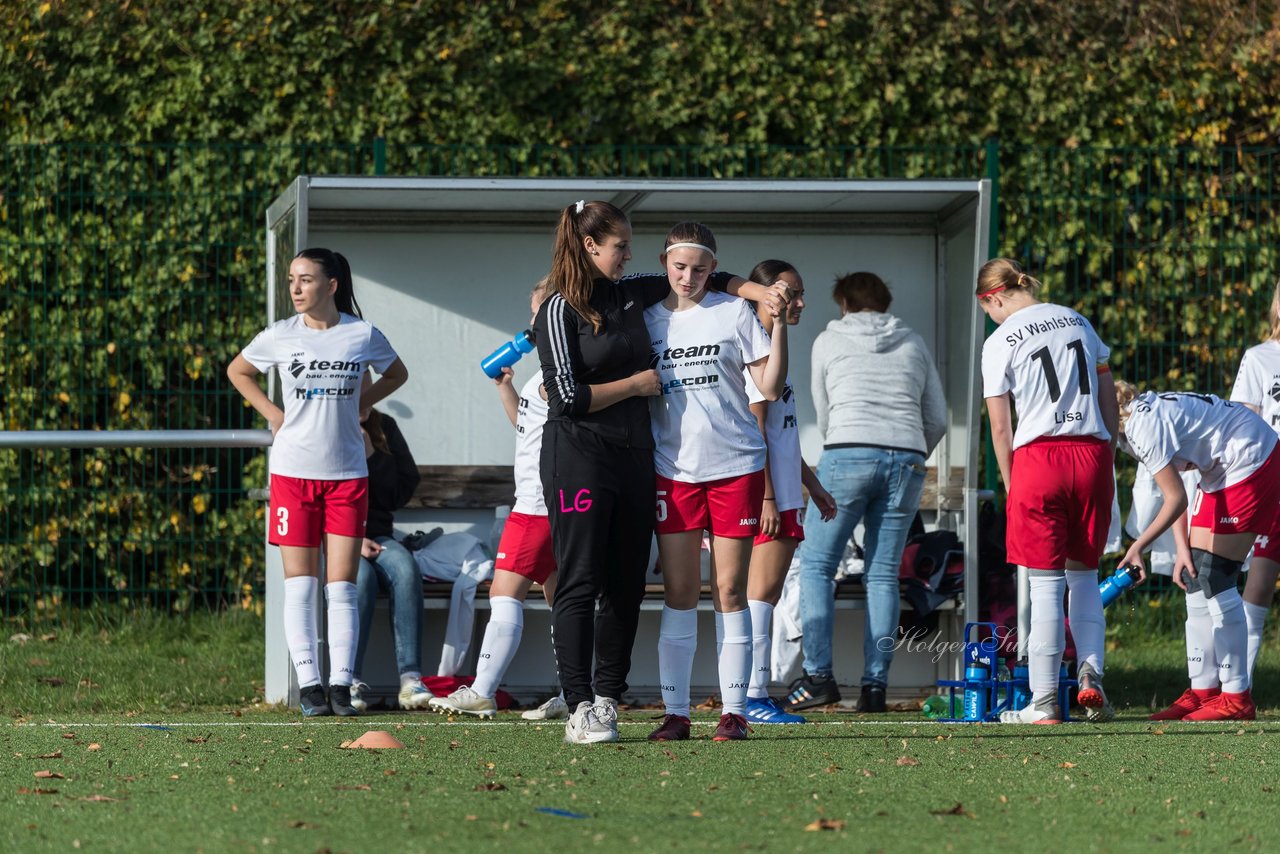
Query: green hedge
142, 141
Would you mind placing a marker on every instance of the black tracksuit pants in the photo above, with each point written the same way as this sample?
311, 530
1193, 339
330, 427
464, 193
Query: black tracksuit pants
600, 498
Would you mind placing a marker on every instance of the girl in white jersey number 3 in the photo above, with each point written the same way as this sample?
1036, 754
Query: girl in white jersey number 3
1057, 468
319, 475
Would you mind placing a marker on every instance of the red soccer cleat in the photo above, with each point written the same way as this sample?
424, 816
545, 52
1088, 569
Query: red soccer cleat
732, 728
1226, 707
1191, 699
673, 728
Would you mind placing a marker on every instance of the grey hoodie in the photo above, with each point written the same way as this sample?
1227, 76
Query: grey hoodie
875, 383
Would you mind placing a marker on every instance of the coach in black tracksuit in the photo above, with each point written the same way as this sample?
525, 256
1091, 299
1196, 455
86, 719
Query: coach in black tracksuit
597, 453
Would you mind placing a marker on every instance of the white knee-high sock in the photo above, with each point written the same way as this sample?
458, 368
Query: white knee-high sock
677, 643
1202, 661
501, 640
344, 629
1088, 625
735, 659
1255, 620
1230, 640
300, 632
1048, 636
761, 648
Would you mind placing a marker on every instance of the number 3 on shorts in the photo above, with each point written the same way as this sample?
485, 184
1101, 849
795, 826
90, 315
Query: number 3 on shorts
282, 521
662, 506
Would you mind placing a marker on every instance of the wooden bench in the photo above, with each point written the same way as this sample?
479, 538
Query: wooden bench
849, 596
487, 487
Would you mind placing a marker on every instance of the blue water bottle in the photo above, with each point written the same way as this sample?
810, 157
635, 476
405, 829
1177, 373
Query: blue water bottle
507, 355
977, 682
1124, 578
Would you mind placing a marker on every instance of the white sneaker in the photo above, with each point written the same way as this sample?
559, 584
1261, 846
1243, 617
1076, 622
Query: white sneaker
414, 695
606, 709
360, 696
583, 727
467, 702
554, 709
1035, 713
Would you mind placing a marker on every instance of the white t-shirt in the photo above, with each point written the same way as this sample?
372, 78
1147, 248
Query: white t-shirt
320, 372
530, 419
1226, 443
703, 428
1047, 357
1258, 381
782, 434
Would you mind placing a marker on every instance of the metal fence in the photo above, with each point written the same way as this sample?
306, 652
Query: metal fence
131, 274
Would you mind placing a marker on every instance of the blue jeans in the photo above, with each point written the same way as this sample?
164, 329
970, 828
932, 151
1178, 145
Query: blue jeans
394, 572
881, 488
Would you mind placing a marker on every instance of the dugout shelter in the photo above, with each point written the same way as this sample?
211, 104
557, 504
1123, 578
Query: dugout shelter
444, 267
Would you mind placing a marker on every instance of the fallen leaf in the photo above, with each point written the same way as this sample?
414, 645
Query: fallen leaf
1067, 765
669, 754
825, 824
696, 814
360, 788
38, 662
49, 638
390, 772
958, 809
49, 775
490, 787
19, 638
200, 739
89, 683
57, 754
68, 735
907, 760
305, 825
23, 790
94, 746
100, 798
54, 681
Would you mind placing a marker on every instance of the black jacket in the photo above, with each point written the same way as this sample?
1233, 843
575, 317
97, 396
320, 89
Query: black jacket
392, 479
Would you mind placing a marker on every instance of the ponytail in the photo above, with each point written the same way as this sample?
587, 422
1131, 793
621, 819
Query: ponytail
1003, 274
572, 271
335, 266
1275, 313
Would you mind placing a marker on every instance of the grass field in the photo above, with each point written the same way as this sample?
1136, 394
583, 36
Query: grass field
155, 738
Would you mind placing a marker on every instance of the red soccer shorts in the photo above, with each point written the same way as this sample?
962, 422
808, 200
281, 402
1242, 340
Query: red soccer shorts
525, 547
729, 507
1060, 502
788, 526
1251, 506
304, 510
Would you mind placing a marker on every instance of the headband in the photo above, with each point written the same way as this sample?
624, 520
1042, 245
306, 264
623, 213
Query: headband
997, 289
706, 249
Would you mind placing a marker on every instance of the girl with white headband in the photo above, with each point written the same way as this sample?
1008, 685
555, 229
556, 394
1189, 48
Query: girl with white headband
710, 459
597, 459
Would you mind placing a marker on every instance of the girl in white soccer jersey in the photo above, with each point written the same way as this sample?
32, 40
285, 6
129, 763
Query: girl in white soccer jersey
1257, 386
785, 478
1057, 468
319, 474
524, 555
710, 457
1236, 453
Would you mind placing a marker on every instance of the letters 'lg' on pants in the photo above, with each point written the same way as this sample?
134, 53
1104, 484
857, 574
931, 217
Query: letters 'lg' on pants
600, 497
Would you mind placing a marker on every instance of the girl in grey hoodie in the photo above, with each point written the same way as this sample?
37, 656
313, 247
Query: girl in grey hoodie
881, 411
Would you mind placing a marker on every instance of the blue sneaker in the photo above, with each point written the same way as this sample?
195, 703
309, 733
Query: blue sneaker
312, 701
766, 711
